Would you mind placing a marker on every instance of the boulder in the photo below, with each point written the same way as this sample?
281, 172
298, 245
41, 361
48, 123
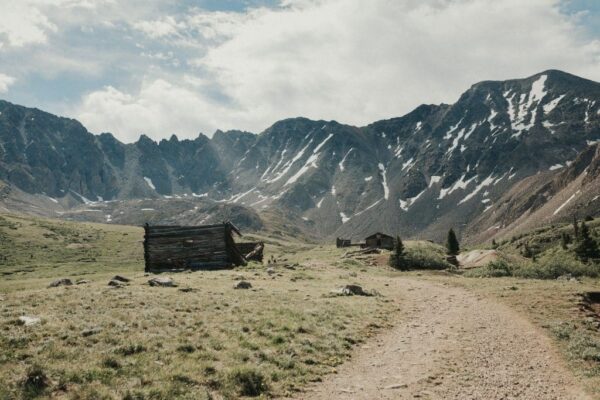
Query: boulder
115, 284
120, 278
82, 282
242, 285
29, 321
61, 282
90, 332
162, 281
351, 290
270, 270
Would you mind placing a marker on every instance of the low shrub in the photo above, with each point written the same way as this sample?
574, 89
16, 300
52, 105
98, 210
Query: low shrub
35, 382
555, 265
419, 257
494, 269
552, 265
247, 381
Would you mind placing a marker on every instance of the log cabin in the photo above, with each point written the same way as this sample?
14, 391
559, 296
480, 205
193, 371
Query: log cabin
173, 247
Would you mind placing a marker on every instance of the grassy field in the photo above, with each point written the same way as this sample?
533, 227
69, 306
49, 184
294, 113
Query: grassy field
141, 342
210, 340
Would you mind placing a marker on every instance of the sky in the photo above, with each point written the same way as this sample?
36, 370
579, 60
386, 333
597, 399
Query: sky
184, 67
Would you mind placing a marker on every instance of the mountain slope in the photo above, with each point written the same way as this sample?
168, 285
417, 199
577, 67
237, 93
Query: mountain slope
417, 175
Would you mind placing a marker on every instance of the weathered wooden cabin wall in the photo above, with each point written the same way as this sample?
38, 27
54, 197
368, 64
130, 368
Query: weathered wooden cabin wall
343, 242
380, 241
195, 247
247, 247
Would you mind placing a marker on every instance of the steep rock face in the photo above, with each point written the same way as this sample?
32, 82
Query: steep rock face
501, 153
41, 153
552, 196
436, 167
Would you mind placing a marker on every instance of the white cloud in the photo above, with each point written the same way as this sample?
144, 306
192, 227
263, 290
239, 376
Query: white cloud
166, 26
349, 60
158, 109
21, 24
5, 82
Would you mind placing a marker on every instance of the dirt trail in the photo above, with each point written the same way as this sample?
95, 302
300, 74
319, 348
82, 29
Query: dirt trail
452, 344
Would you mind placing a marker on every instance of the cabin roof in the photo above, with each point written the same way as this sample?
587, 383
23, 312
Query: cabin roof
376, 234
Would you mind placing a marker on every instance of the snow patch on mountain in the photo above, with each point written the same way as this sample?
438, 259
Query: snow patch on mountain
486, 182
548, 107
459, 184
405, 204
566, 202
386, 190
344, 218
341, 164
149, 182
434, 179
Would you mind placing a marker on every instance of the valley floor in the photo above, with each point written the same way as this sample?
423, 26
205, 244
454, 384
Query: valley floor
430, 335
451, 343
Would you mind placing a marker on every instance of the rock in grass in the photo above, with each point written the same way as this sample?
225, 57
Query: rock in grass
242, 285
61, 282
115, 284
162, 282
270, 270
120, 278
29, 321
90, 332
351, 290
82, 282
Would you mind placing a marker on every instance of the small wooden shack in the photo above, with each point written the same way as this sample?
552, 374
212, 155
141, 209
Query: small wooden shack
380, 241
173, 247
342, 242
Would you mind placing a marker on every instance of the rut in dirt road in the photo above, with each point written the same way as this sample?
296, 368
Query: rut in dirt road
452, 344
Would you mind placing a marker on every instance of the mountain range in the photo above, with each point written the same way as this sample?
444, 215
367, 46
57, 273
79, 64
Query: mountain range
507, 156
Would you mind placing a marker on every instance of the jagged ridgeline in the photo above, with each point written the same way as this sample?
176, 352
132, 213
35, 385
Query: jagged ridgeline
505, 157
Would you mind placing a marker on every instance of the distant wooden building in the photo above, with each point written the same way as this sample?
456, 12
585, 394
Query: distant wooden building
173, 247
343, 242
380, 241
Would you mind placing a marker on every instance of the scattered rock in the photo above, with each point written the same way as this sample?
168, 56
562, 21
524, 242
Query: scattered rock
242, 285
120, 278
115, 284
291, 266
239, 278
270, 270
90, 332
61, 282
82, 282
29, 321
397, 386
162, 281
188, 290
352, 290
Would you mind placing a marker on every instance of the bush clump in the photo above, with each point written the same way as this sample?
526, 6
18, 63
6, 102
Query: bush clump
553, 266
247, 381
494, 269
420, 257
35, 382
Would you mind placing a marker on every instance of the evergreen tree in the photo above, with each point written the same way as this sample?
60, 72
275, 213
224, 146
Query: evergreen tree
494, 244
575, 227
452, 246
565, 239
397, 258
527, 253
586, 247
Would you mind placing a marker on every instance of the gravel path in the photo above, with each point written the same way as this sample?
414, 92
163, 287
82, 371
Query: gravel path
452, 344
